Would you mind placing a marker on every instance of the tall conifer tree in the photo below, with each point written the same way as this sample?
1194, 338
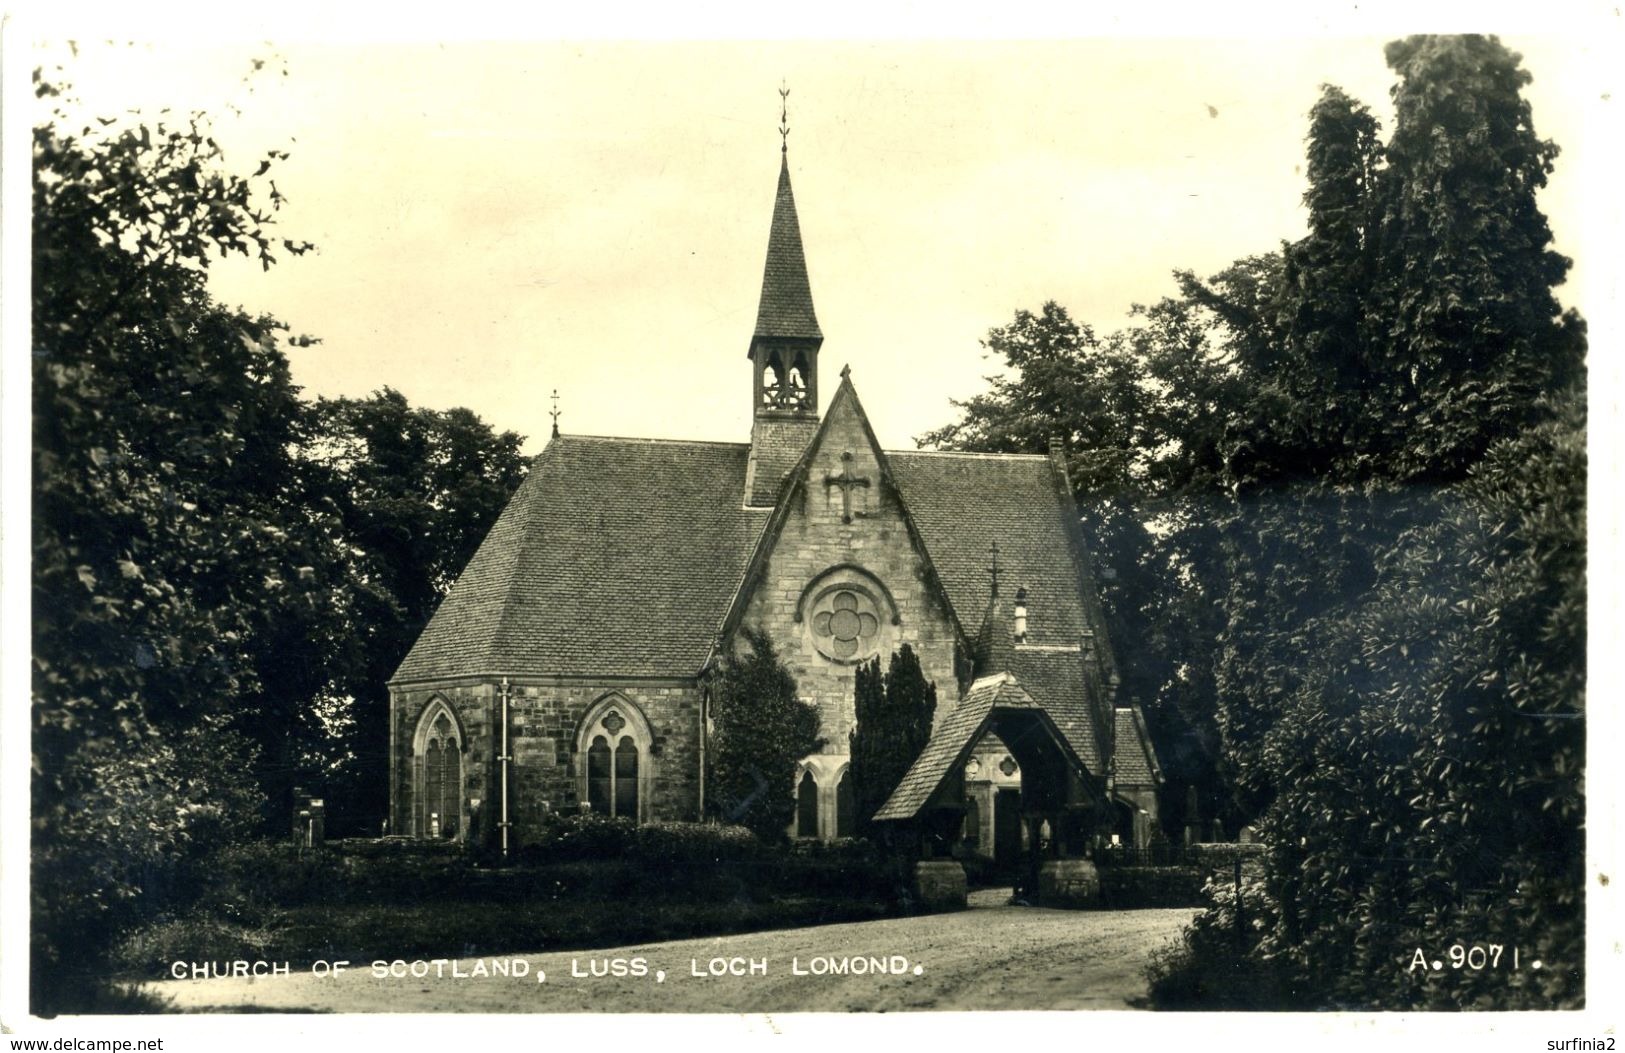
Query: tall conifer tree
894, 713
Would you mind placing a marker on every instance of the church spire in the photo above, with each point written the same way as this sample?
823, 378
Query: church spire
784, 346
786, 308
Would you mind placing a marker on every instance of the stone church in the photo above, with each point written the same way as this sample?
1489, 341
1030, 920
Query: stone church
567, 668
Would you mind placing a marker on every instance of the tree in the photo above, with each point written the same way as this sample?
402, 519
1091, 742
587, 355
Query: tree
224, 575
894, 712
1147, 416
1429, 758
1362, 460
1473, 336
162, 535
761, 731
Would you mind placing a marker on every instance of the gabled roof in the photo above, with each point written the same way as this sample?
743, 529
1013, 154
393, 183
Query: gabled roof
948, 494
951, 742
1053, 675
786, 309
1136, 757
614, 557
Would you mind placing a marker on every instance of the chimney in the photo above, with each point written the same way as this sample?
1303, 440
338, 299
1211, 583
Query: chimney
1020, 632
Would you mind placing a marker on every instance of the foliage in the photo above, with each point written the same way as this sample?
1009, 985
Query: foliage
202, 582
162, 543
265, 900
1216, 964
893, 723
1360, 464
1136, 888
1472, 334
590, 835
1429, 767
690, 844
761, 732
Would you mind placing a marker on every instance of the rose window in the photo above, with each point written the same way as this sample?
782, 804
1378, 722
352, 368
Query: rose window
846, 622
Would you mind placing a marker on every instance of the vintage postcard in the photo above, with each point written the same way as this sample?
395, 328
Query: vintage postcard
790, 535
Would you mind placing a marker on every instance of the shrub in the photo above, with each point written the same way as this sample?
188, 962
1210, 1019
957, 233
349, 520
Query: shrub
579, 835
1137, 887
762, 730
1218, 964
656, 844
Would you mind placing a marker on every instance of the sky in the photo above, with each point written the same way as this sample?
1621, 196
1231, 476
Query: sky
499, 220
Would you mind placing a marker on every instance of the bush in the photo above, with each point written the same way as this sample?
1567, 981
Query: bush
579, 835
150, 951
1218, 963
1137, 887
689, 844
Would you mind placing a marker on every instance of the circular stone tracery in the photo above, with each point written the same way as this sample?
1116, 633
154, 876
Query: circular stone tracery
847, 614
846, 621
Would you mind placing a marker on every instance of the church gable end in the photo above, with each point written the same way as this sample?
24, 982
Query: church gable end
839, 576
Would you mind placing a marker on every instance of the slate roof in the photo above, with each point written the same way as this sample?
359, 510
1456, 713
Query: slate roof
786, 307
963, 502
1057, 680
621, 557
1136, 757
615, 556
1053, 676
951, 742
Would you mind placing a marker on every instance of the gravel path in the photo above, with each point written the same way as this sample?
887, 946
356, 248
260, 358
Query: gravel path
992, 956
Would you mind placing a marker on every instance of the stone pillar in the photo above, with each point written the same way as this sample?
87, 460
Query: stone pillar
940, 884
1068, 883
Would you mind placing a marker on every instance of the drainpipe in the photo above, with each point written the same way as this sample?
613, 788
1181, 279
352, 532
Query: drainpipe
705, 708
504, 758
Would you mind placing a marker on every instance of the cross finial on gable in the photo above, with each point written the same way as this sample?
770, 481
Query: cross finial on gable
846, 372
993, 570
554, 413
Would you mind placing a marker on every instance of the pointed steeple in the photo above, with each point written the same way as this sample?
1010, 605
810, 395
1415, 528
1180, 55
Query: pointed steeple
786, 308
783, 349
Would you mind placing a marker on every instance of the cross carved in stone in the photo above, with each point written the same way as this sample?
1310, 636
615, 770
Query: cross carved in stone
847, 482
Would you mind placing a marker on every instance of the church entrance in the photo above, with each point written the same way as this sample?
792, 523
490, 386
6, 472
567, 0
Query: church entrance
1007, 832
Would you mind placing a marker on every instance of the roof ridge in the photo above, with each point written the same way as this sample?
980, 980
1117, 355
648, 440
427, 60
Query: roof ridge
655, 441
968, 453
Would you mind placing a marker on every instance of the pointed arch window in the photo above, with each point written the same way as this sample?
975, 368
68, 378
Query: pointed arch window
845, 807
613, 759
437, 753
807, 805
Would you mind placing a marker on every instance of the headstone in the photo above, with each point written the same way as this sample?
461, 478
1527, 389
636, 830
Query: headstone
309, 819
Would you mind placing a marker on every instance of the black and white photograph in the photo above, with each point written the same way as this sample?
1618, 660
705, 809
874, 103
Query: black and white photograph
797, 534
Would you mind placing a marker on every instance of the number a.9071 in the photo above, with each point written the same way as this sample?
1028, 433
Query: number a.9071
1476, 957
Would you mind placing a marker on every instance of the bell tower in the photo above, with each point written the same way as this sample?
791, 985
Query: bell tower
784, 347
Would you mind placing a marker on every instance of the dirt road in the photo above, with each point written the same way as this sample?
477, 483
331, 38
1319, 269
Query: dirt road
990, 957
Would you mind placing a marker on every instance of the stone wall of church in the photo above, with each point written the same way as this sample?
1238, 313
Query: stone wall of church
547, 728
875, 547
545, 731
471, 704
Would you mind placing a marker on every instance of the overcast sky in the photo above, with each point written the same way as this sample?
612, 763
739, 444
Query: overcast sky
497, 220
